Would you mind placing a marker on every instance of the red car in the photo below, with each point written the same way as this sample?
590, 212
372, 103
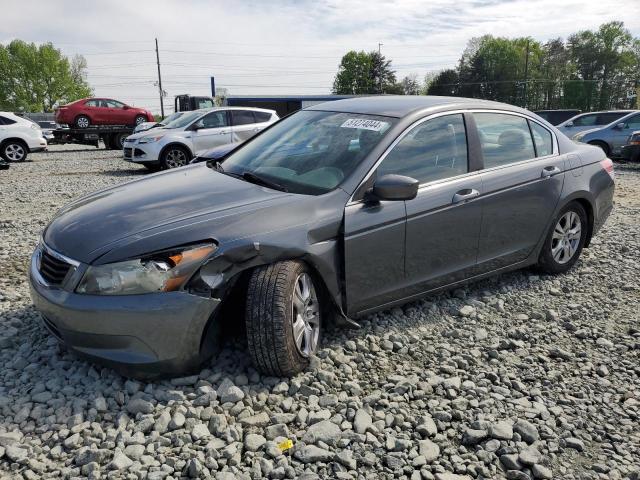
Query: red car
101, 111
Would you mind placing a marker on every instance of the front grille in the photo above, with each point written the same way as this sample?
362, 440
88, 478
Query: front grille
127, 152
52, 269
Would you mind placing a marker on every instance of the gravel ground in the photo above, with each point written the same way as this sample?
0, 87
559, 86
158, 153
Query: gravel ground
521, 376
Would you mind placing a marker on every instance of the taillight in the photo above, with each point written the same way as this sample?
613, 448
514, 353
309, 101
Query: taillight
607, 165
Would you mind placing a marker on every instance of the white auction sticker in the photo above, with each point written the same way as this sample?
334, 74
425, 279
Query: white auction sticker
375, 125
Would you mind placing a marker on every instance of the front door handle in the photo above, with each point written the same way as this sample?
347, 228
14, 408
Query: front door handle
464, 195
550, 171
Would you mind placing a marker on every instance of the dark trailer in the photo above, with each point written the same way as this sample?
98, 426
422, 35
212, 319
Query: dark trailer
282, 104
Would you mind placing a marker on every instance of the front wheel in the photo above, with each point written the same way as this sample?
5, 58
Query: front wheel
139, 119
283, 318
174, 157
565, 241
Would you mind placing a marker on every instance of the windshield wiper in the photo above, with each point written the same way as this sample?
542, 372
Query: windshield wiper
216, 166
255, 178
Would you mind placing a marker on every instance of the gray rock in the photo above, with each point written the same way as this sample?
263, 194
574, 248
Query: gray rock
542, 472
228, 392
511, 461
527, 431
120, 461
501, 430
254, 442
429, 450
574, 443
139, 405
200, 431
362, 421
473, 437
134, 452
325, 431
530, 456
312, 454
426, 426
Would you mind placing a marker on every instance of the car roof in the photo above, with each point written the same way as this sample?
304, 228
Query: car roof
402, 105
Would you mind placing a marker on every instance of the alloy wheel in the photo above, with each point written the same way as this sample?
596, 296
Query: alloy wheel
175, 158
139, 120
82, 122
14, 152
566, 237
306, 315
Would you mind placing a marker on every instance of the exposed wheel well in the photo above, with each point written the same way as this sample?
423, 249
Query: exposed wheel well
230, 314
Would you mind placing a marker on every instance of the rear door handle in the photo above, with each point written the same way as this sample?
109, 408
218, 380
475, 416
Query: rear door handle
464, 195
550, 171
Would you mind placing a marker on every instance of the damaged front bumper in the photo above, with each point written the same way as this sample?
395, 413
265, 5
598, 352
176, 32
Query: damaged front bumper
151, 334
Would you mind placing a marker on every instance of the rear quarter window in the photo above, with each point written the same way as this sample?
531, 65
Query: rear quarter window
6, 121
262, 116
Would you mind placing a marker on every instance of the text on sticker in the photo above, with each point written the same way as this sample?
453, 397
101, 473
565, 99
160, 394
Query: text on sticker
375, 125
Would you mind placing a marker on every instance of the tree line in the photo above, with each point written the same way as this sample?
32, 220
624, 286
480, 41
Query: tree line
35, 78
591, 70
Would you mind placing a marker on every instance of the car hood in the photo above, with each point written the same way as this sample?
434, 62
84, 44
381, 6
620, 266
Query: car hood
153, 132
164, 210
590, 130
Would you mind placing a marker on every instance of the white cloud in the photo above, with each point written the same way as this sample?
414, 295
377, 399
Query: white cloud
284, 46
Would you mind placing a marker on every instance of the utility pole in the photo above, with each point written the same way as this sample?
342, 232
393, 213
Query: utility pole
526, 74
380, 55
160, 81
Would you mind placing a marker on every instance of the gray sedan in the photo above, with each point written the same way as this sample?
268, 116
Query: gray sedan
338, 210
589, 121
611, 138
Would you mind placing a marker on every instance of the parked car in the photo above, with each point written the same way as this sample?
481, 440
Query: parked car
48, 127
555, 117
612, 137
144, 126
589, 121
18, 137
631, 151
215, 153
339, 209
101, 111
175, 144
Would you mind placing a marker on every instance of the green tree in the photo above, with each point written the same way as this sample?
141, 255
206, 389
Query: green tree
446, 83
410, 85
35, 78
362, 73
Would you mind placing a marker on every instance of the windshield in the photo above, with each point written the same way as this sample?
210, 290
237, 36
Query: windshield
310, 152
184, 119
167, 120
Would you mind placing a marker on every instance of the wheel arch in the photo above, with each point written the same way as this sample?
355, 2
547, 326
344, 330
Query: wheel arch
586, 201
602, 144
226, 276
17, 140
175, 143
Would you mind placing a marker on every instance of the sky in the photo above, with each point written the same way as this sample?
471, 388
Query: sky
285, 47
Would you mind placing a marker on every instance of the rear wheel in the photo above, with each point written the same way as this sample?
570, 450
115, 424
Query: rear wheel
283, 318
82, 121
174, 156
14, 151
117, 141
565, 241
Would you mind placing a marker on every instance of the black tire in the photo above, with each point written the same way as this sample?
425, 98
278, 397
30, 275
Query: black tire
82, 121
547, 262
139, 119
14, 151
269, 317
170, 157
117, 141
602, 145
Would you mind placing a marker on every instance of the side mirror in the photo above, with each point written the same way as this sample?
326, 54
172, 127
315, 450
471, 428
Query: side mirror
196, 126
126, 107
394, 187
568, 125
619, 126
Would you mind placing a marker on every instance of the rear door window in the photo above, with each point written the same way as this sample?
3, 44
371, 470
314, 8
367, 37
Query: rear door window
242, 117
504, 139
586, 120
542, 138
607, 118
262, 116
433, 150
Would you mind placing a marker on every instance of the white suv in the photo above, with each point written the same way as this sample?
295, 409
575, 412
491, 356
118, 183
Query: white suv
175, 144
18, 137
